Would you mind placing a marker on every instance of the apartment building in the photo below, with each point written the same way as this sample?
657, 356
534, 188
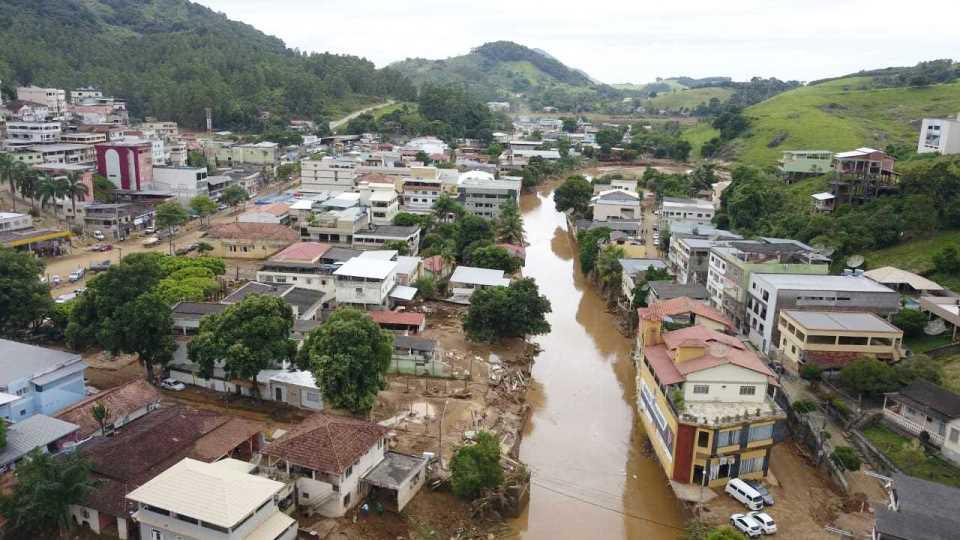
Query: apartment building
616, 204
54, 98
675, 210
381, 199
941, 136
21, 134
832, 339
769, 294
731, 265
306, 264
117, 220
689, 258
365, 282
184, 183
706, 402
64, 154
483, 195
129, 165
328, 175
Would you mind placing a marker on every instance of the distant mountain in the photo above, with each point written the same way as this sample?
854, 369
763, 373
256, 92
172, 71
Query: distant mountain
173, 58
503, 70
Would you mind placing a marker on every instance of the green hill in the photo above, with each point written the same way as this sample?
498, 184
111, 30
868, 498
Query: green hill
173, 58
837, 115
504, 71
688, 98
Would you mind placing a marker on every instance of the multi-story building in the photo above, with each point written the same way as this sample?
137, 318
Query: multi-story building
381, 199
64, 154
365, 282
167, 131
80, 95
306, 264
483, 195
941, 136
184, 183
54, 98
26, 111
421, 189
769, 294
20, 134
689, 257
706, 402
731, 265
262, 153
117, 220
129, 165
222, 500
331, 175
616, 204
800, 163
832, 339
376, 236
36, 380
686, 211
73, 137
11, 221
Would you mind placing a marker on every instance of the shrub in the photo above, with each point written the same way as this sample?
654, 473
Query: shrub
804, 406
476, 468
911, 321
846, 458
811, 372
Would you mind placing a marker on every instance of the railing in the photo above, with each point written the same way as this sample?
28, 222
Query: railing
912, 426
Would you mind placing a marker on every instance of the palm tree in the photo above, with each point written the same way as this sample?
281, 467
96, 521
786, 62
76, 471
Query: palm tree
8, 167
49, 188
510, 225
28, 182
75, 188
100, 413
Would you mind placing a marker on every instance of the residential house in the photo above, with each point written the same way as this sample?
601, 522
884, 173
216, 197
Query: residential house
37, 380
683, 311
941, 136
49, 435
862, 175
467, 279
223, 500
614, 204
306, 264
666, 290
334, 225
335, 462
904, 282
824, 201
23, 134
924, 407
918, 510
275, 213
864, 162
297, 388
145, 448
769, 294
376, 236
249, 240
675, 210
26, 111
187, 315
417, 356
689, 257
409, 269
184, 183
797, 164
64, 154
943, 308
483, 195
306, 304
731, 266
400, 322
706, 403
55, 99
832, 339
124, 404
365, 282
634, 271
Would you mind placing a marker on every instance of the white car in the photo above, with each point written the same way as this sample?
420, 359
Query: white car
64, 298
99, 235
746, 524
54, 280
172, 384
76, 275
767, 524
150, 230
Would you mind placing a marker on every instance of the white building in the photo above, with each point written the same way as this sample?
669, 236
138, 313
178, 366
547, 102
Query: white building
365, 282
771, 293
10, 221
939, 135
211, 501
54, 98
689, 211
333, 175
615, 204
183, 182
689, 258
467, 279
483, 195
21, 134
80, 95
382, 199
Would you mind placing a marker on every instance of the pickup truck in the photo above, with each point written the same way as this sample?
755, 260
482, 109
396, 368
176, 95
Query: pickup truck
102, 266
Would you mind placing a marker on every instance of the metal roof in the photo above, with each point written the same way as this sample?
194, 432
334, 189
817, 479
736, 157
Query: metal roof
34, 432
822, 283
19, 360
402, 292
890, 274
366, 267
479, 276
841, 321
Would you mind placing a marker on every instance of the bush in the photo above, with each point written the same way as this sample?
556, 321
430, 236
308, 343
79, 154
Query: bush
911, 321
804, 406
846, 458
840, 406
811, 372
426, 286
476, 468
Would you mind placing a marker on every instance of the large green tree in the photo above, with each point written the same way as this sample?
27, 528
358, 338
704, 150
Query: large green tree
203, 206
509, 225
349, 354
248, 337
504, 312
475, 468
24, 300
46, 487
169, 216
574, 194
234, 195
149, 331
495, 257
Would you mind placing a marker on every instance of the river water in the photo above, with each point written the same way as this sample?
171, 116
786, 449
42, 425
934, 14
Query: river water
583, 444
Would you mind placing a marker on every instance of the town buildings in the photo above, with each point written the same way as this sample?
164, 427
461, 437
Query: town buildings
675, 210
129, 165
306, 264
832, 339
328, 175
769, 294
706, 403
616, 204
466, 279
483, 195
23, 134
365, 282
918, 510
39, 432
117, 220
55, 99
37, 380
941, 136
249, 240
124, 404
184, 183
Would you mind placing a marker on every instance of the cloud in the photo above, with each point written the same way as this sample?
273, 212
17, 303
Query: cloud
626, 41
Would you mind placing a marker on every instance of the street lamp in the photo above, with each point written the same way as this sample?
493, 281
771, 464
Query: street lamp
120, 249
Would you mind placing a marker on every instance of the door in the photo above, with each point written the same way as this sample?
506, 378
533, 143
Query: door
278, 393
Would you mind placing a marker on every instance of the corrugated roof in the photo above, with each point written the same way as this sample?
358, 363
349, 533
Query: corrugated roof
479, 276
34, 432
410, 318
896, 276
402, 292
120, 401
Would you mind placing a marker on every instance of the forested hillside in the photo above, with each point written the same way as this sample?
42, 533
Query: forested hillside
173, 58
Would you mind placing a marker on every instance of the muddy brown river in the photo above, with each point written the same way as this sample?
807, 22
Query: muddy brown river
583, 444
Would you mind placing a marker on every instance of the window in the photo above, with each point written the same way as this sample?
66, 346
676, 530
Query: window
701, 389
748, 390
703, 439
853, 340
155, 535
313, 396
729, 437
761, 433
348, 472
751, 465
346, 500
954, 435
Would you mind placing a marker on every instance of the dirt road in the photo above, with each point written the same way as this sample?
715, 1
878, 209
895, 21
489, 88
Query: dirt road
334, 124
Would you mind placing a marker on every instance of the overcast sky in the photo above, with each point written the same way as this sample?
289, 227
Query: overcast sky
627, 40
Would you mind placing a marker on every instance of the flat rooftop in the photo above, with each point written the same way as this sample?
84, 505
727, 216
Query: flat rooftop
801, 282
841, 321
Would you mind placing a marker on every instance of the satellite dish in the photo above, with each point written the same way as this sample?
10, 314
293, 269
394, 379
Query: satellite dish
854, 261
935, 327
826, 251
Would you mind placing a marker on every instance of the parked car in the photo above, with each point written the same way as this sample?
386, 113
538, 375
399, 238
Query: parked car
64, 298
746, 524
99, 235
183, 250
76, 275
150, 230
758, 485
54, 280
221, 207
102, 266
80, 290
172, 384
152, 241
767, 525
101, 247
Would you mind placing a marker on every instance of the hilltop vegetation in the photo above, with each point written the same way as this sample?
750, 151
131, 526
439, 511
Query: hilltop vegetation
172, 58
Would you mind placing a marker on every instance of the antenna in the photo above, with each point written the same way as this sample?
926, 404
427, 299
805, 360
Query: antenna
854, 261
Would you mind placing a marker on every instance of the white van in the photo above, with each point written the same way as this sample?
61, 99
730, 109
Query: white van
741, 491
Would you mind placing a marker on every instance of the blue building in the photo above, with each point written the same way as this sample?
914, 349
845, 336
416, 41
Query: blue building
37, 380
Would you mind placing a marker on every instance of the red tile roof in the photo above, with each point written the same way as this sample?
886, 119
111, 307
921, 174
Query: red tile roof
680, 306
327, 443
253, 231
719, 349
302, 252
398, 317
120, 402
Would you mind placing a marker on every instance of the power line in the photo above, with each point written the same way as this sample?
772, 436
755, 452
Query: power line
614, 510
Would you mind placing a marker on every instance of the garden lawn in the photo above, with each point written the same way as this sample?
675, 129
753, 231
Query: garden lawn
903, 454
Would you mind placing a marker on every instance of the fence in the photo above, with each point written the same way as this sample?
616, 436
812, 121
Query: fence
420, 366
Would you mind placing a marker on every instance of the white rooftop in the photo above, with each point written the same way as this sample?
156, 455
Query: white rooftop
822, 283
479, 276
841, 321
669, 202
211, 492
366, 267
380, 254
890, 274
823, 196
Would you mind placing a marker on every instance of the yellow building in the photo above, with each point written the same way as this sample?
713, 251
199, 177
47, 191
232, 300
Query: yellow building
831, 339
706, 402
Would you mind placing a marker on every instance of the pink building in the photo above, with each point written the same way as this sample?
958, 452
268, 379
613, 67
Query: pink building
129, 165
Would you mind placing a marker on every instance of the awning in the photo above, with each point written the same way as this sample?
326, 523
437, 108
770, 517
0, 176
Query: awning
402, 292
